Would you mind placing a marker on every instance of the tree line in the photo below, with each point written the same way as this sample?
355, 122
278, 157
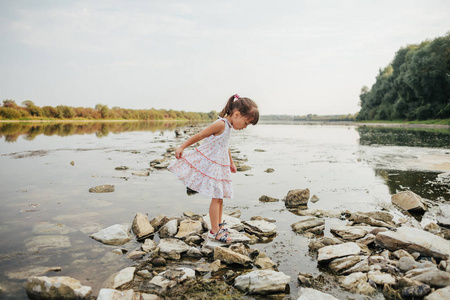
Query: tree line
414, 86
11, 111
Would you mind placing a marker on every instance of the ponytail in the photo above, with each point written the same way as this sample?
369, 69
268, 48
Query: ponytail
245, 106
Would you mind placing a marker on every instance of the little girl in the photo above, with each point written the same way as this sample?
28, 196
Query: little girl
208, 168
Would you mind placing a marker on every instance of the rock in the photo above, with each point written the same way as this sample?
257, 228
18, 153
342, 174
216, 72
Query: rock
232, 222
297, 197
417, 291
159, 221
269, 170
172, 248
307, 223
141, 226
260, 228
189, 227
141, 173
102, 189
123, 277
443, 178
260, 150
112, 294
435, 278
193, 216
44, 243
432, 227
411, 239
194, 252
350, 264
364, 218
314, 199
262, 282
136, 254
144, 274
158, 262
215, 266
381, 278
122, 168
264, 263
349, 232
230, 257
401, 253
406, 263
390, 293
439, 294
201, 270
113, 235
335, 251
322, 242
238, 237
149, 245
243, 168
63, 287
168, 279
312, 294
443, 215
169, 229
367, 240
409, 201
268, 199
357, 283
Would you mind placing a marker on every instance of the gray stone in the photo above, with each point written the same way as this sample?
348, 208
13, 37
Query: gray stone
136, 254
172, 248
159, 221
349, 232
149, 245
102, 189
232, 222
141, 226
406, 263
168, 279
169, 229
123, 277
417, 291
434, 278
344, 264
409, 201
312, 294
443, 215
336, 251
44, 243
188, 228
114, 235
112, 294
262, 282
411, 239
141, 173
228, 256
297, 197
381, 278
439, 294
264, 263
357, 283
62, 287
306, 223
260, 228
194, 252
268, 199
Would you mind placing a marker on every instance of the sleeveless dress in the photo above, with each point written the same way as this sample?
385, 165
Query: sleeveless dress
207, 168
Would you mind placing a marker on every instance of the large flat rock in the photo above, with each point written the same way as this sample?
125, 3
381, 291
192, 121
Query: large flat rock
335, 251
412, 239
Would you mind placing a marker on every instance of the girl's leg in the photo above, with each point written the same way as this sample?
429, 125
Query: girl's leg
220, 210
214, 214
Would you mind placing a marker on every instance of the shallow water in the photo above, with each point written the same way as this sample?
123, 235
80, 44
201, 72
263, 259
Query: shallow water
44, 197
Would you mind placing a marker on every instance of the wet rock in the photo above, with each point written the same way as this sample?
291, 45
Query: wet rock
172, 248
243, 168
141, 226
367, 240
159, 221
141, 173
193, 240
201, 270
149, 245
170, 278
194, 252
102, 189
169, 229
443, 178
443, 215
63, 287
432, 227
193, 216
264, 263
401, 253
262, 282
228, 256
433, 278
123, 277
260, 228
314, 199
357, 283
307, 223
189, 227
322, 242
122, 168
409, 201
381, 278
44, 243
312, 294
439, 294
158, 262
136, 254
411, 239
417, 291
297, 197
144, 274
305, 279
232, 222
331, 252
391, 294
364, 218
350, 264
268, 199
114, 235
349, 232
215, 265
269, 170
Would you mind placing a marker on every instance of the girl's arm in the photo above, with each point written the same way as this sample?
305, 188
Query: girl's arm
213, 129
232, 165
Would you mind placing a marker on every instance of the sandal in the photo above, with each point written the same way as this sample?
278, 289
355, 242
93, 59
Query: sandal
212, 236
222, 226
222, 236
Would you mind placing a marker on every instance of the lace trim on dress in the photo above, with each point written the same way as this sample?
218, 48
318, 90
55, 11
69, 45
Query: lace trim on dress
202, 172
210, 158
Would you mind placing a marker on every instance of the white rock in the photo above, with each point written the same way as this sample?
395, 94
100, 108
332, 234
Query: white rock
262, 282
411, 239
61, 287
312, 294
189, 227
336, 251
114, 235
306, 223
408, 200
350, 264
141, 226
443, 215
169, 229
381, 278
232, 222
123, 277
349, 232
260, 228
172, 248
357, 283
149, 245
111, 294
439, 294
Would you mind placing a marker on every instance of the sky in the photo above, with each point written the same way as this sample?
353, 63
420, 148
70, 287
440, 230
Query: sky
291, 57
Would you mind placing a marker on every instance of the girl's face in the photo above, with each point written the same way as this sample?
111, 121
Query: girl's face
239, 121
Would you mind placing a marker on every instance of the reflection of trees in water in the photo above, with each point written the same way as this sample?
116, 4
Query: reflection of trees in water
413, 137
422, 183
11, 131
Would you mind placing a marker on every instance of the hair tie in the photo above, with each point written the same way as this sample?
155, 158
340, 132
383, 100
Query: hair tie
236, 96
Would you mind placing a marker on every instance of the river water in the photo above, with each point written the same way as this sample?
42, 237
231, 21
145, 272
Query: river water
46, 170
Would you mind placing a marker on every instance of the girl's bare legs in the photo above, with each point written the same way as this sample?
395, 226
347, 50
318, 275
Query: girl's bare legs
214, 214
220, 210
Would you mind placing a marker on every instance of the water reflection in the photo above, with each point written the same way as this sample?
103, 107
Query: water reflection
412, 137
12, 131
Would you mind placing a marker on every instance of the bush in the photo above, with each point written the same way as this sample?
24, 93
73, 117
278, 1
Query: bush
9, 113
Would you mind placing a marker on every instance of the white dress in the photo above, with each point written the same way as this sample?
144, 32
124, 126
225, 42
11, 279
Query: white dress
207, 168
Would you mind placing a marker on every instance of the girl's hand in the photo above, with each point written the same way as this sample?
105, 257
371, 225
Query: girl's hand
233, 168
179, 152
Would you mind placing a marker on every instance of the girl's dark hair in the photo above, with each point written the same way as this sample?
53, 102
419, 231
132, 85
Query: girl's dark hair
245, 106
